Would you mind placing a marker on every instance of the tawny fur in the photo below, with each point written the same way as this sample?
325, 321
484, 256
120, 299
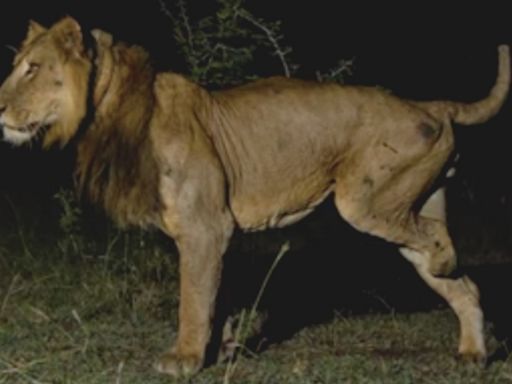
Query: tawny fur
162, 151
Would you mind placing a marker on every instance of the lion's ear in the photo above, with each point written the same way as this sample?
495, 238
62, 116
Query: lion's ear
34, 30
69, 35
104, 62
103, 39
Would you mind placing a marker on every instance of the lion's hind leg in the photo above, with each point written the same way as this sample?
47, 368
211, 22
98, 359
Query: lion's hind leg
460, 293
389, 215
425, 242
462, 296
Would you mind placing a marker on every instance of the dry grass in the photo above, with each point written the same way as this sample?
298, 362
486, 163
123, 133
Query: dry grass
103, 317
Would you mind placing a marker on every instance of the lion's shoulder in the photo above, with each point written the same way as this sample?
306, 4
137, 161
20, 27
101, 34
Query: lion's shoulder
171, 88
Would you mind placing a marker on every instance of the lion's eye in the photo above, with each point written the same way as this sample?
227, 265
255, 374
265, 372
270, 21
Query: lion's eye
32, 69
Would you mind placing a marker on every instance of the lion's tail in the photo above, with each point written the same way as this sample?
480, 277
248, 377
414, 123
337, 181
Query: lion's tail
479, 111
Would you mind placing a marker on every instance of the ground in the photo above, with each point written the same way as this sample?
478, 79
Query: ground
100, 319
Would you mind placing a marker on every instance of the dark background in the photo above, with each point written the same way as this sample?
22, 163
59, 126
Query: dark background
423, 50
418, 51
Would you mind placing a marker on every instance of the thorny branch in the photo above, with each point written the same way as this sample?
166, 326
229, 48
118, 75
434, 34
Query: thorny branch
270, 35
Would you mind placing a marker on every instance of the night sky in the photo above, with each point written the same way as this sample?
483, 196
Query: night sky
417, 51
422, 51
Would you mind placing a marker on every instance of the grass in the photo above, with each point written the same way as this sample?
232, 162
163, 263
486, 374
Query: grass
104, 317
77, 323
57, 329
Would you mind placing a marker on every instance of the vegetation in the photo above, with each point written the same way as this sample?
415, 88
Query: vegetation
220, 49
87, 323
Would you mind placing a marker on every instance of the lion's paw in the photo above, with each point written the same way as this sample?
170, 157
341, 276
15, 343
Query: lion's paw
473, 354
174, 364
474, 357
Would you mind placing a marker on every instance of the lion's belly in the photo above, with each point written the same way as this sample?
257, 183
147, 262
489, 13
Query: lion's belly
254, 212
278, 183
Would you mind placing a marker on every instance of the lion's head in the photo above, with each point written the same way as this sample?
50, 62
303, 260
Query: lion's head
46, 92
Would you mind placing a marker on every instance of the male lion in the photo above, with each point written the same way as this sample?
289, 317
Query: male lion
162, 151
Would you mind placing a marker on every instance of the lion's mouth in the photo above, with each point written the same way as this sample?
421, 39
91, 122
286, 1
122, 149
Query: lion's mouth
22, 134
30, 128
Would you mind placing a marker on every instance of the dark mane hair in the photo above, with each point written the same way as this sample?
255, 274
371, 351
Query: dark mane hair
116, 165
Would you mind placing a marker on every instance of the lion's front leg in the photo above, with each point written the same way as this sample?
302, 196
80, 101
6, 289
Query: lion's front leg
201, 250
196, 215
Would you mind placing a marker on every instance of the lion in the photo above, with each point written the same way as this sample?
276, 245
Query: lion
158, 150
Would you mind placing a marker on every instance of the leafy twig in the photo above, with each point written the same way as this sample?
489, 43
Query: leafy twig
271, 37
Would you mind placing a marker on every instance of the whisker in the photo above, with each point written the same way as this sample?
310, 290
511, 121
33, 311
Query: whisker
12, 49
